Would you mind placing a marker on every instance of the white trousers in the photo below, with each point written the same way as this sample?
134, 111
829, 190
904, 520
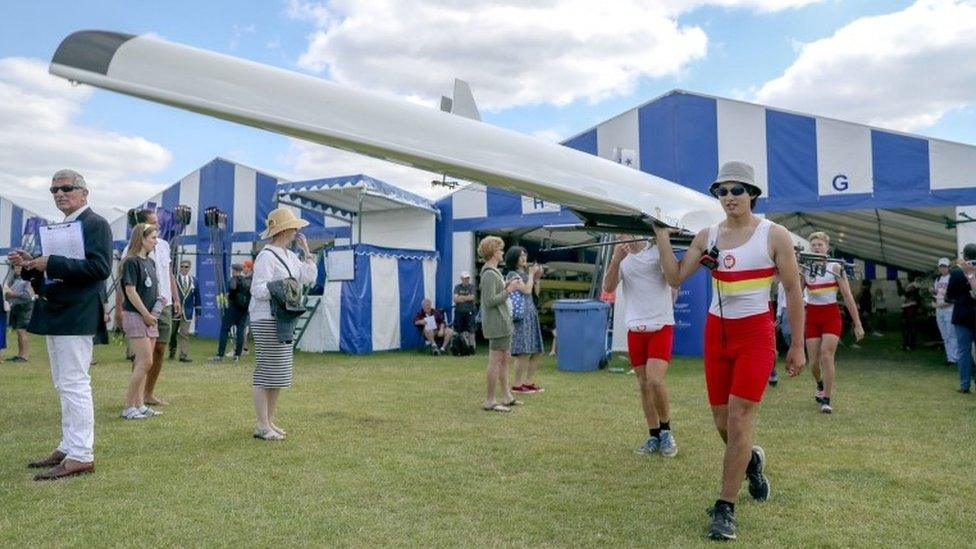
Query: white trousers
70, 358
943, 317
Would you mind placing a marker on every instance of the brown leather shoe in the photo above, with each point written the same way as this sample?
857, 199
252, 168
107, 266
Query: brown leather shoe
67, 468
55, 458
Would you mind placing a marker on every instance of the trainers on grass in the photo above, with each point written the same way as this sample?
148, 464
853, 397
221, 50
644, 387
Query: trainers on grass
669, 448
756, 473
722, 523
133, 413
149, 412
652, 445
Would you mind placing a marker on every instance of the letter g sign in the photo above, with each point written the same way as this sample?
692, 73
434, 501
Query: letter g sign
840, 182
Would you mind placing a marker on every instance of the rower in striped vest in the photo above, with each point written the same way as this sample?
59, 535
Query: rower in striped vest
823, 323
744, 252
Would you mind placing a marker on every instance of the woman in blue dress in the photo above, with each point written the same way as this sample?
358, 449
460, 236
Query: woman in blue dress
526, 332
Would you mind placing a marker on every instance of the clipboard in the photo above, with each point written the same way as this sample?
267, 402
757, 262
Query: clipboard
63, 239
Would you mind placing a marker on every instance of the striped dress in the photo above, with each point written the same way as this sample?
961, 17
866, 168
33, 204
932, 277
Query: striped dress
274, 360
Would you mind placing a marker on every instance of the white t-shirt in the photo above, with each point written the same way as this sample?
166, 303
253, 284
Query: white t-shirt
647, 296
941, 285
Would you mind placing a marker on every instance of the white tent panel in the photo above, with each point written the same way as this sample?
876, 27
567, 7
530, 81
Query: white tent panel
618, 139
430, 279
190, 195
407, 228
471, 202
245, 198
6, 212
952, 165
463, 258
742, 136
843, 158
386, 306
119, 227
322, 333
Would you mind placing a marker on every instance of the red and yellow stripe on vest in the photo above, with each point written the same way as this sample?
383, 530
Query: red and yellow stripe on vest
825, 288
741, 282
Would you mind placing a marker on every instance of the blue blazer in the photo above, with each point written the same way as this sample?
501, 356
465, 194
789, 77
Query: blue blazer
189, 297
74, 305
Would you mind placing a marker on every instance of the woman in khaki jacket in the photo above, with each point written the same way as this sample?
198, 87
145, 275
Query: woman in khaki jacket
496, 322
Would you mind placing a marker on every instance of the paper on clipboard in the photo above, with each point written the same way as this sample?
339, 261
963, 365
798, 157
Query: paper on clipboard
63, 239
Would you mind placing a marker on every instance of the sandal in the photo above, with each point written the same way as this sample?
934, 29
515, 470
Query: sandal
268, 434
514, 402
496, 408
279, 430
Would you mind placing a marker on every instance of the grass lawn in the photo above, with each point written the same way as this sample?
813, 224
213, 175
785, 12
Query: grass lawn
394, 449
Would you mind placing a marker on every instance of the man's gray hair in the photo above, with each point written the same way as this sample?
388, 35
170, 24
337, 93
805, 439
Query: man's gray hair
76, 178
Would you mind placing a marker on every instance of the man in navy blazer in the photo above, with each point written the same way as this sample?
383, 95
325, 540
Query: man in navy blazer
188, 294
70, 312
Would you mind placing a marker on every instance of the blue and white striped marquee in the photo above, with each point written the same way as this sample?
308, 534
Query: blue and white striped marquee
247, 196
13, 222
895, 189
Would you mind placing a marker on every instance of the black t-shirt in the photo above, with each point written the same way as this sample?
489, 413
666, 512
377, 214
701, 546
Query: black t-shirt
465, 306
136, 271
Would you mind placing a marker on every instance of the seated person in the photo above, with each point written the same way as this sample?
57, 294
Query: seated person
433, 325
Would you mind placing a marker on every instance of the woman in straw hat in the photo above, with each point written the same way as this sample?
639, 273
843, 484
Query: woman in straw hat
274, 358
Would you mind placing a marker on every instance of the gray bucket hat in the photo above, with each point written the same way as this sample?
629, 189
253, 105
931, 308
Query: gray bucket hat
738, 172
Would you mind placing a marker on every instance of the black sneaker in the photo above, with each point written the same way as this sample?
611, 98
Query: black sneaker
755, 473
722, 523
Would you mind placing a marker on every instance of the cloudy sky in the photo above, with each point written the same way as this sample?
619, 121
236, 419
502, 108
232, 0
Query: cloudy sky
550, 68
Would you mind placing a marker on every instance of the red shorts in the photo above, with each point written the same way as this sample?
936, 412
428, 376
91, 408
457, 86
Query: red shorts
740, 363
647, 345
822, 319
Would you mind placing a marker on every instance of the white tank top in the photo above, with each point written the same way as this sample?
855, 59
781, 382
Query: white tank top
741, 282
647, 295
821, 289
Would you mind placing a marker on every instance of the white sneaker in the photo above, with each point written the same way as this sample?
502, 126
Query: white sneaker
133, 413
149, 412
825, 408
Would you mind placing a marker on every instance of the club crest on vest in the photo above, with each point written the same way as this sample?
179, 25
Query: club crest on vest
729, 261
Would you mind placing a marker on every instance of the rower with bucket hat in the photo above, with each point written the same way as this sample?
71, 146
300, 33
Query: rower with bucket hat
743, 253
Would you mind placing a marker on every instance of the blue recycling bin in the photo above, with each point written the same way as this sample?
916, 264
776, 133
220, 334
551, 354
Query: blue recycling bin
581, 334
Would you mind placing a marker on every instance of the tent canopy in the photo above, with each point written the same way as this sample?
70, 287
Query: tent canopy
346, 196
902, 237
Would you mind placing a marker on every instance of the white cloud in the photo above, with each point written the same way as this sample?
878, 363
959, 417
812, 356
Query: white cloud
513, 52
903, 70
38, 136
311, 160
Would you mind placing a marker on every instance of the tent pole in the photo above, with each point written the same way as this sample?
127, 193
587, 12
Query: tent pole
359, 216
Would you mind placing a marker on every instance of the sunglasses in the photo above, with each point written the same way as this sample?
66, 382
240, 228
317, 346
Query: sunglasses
736, 191
64, 188
184, 266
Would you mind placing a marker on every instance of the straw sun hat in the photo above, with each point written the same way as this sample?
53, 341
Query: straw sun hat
281, 219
